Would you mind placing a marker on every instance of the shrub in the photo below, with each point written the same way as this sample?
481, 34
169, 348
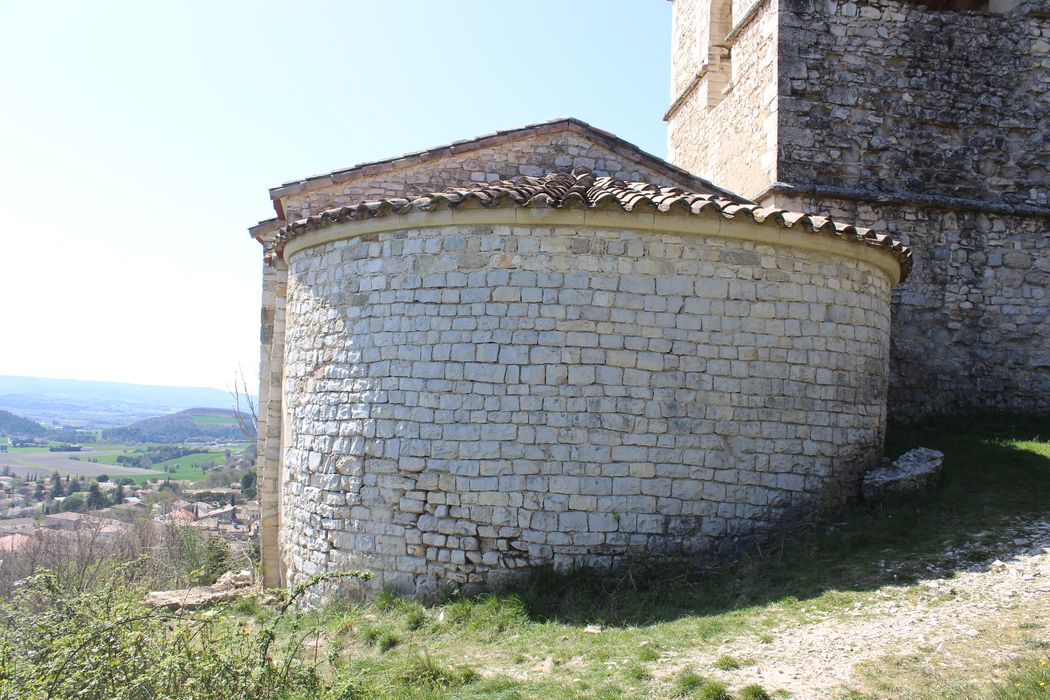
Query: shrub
713, 690
728, 663
387, 641
423, 672
205, 558
686, 683
753, 692
104, 644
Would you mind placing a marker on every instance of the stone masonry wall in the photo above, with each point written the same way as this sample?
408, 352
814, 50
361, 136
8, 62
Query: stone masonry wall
539, 155
464, 401
733, 142
933, 126
888, 96
927, 125
971, 324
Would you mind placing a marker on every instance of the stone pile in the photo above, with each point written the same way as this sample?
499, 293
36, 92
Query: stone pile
913, 472
230, 586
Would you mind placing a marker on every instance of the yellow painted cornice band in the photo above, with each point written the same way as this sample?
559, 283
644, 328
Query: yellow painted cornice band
651, 222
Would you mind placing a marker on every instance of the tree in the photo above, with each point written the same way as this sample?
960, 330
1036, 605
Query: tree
96, 499
102, 478
248, 485
38, 494
118, 495
75, 503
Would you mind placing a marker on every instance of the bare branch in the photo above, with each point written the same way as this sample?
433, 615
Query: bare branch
244, 406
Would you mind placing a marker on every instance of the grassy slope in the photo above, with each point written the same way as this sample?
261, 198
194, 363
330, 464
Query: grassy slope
536, 643
214, 420
185, 469
201, 424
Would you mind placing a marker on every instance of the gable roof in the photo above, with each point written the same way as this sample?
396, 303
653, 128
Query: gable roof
584, 189
565, 124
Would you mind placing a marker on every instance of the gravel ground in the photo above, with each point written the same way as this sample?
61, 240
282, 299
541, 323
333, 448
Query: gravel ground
968, 621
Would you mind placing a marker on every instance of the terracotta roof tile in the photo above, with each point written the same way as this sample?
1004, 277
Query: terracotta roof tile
582, 188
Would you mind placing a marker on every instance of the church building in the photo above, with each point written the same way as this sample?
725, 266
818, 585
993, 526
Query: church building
546, 346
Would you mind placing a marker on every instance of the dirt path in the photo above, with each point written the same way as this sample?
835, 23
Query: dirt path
976, 620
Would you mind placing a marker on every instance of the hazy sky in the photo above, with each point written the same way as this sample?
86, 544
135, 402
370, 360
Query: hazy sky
138, 141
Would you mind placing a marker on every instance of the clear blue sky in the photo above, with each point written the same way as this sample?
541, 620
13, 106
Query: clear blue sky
138, 141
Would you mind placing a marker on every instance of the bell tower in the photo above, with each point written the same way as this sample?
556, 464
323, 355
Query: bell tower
924, 119
723, 113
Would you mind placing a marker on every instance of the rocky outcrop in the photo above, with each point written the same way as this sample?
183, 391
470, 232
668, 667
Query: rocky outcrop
230, 586
913, 472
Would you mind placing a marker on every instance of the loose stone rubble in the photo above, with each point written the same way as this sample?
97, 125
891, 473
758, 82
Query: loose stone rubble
230, 586
913, 472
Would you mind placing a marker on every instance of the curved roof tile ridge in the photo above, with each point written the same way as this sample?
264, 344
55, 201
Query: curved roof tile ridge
582, 188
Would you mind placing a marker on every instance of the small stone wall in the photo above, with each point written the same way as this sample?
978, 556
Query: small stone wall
465, 401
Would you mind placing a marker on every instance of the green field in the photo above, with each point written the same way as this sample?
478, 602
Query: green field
107, 459
183, 473
184, 469
215, 420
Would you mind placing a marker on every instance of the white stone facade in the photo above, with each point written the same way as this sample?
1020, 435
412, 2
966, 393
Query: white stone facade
463, 401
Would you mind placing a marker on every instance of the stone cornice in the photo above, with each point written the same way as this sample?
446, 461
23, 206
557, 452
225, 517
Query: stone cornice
803, 236
903, 198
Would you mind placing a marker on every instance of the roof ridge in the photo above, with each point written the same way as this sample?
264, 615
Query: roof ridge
608, 139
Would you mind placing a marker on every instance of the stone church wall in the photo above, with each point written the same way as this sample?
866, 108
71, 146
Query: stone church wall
722, 133
463, 401
887, 96
542, 154
971, 324
934, 126
931, 126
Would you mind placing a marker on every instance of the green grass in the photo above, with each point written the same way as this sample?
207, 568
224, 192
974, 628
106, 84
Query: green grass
1030, 680
112, 459
184, 469
183, 472
531, 642
214, 420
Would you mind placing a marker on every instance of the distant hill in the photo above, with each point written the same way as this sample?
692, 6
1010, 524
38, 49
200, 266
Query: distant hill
90, 404
195, 424
16, 426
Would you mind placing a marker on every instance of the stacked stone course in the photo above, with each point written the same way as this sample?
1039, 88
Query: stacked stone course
560, 145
